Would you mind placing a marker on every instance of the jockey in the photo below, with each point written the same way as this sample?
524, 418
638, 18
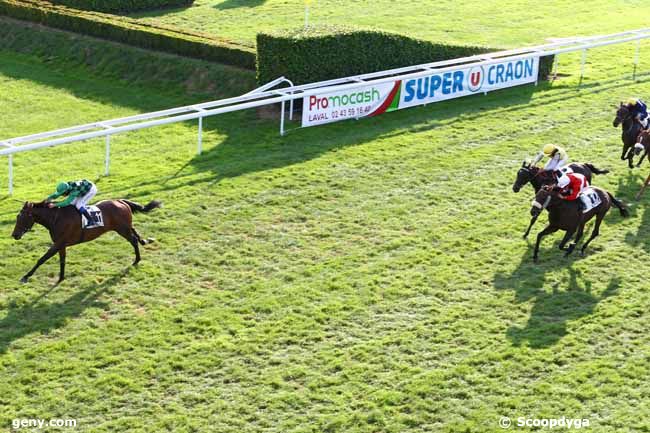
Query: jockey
639, 110
78, 193
571, 185
558, 157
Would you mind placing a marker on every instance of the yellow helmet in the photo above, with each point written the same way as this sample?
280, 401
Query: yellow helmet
549, 149
631, 101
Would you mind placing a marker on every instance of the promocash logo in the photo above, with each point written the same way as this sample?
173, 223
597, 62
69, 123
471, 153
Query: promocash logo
336, 101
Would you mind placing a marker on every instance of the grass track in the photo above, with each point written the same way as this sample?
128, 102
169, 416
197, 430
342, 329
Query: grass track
355, 277
491, 23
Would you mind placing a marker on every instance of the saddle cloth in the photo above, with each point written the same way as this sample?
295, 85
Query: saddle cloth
97, 214
590, 199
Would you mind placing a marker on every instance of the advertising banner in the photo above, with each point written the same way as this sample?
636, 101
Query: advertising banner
376, 99
350, 104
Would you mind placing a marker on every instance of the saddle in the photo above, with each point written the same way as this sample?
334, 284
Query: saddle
96, 214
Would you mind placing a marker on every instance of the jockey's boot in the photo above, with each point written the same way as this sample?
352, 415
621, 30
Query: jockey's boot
83, 211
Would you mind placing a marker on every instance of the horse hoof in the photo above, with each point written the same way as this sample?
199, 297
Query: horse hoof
151, 240
24, 280
135, 263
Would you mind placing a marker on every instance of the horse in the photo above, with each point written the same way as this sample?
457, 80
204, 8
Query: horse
64, 225
539, 177
642, 143
568, 216
631, 130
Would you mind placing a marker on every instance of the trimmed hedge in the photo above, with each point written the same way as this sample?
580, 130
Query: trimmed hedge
327, 52
121, 5
129, 31
136, 66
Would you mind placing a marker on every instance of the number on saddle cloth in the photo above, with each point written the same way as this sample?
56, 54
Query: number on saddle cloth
590, 199
97, 216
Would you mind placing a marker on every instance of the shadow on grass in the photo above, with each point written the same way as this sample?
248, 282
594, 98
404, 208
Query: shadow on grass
41, 317
234, 4
551, 311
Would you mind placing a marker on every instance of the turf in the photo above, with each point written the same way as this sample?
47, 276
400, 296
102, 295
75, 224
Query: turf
365, 276
489, 23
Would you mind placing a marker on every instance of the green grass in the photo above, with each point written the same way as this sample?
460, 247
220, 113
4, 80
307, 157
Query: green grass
476, 22
359, 277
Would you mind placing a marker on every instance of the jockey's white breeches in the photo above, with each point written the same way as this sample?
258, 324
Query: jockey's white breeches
82, 201
555, 164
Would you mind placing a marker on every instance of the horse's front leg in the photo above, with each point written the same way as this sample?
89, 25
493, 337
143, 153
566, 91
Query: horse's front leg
53, 250
630, 158
61, 264
624, 153
566, 238
581, 230
547, 230
645, 152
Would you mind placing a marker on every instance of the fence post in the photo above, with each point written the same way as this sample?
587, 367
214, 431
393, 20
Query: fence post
200, 148
291, 108
555, 63
107, 158
282, 119
636, 58
11, 174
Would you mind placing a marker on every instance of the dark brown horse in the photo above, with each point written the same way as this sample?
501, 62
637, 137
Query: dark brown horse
568, 216
631, 130
538, 177
64, 225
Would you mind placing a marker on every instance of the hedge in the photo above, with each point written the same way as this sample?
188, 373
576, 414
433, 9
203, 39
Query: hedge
327, 52
122, 5
129, 31
119, 62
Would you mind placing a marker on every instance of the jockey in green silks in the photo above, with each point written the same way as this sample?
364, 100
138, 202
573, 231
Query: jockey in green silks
77, 193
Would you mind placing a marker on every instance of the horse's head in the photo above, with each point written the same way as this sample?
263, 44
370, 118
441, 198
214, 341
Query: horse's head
622, 114
542, 200
24, 221
524, 175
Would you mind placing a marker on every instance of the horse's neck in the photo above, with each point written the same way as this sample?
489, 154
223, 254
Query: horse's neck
45, 216
629, 127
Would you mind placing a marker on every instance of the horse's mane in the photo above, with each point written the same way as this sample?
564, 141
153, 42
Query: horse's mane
39, 205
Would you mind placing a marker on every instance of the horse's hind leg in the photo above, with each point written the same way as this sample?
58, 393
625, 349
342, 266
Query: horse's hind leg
127, 233
594, 233
142, 241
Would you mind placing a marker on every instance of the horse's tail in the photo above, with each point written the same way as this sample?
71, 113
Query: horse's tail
619, 204
135, 207
595, 170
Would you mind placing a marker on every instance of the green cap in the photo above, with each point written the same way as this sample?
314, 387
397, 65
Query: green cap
62, 187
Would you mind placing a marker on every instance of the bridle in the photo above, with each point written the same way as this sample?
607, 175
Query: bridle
541, 207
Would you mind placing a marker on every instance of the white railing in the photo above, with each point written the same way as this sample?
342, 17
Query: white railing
265, 95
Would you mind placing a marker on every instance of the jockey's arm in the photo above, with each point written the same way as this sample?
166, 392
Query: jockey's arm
53, 196
538, 158
68, 201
